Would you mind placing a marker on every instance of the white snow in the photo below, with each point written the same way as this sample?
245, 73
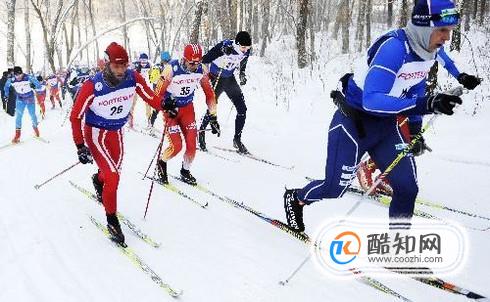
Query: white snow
50, 251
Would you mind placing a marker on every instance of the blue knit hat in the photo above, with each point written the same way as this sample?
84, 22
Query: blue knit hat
143, 56
165, 56
435, 13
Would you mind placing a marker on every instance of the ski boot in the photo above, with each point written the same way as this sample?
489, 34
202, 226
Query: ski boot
98, 185
16, 138
186, 176
294, 211
162, 172
36, 131
114, 229
202, 141
237, 143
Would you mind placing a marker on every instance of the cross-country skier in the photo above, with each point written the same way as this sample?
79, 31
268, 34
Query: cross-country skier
54, 84
105, 100
225, 57
179, 81
155, 73
390, 81
21, 83
41, 95
143, 66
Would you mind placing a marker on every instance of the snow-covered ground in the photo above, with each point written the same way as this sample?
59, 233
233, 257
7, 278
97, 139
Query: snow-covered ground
50, 250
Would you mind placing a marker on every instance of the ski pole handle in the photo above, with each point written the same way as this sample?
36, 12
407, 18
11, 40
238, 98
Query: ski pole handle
65, 170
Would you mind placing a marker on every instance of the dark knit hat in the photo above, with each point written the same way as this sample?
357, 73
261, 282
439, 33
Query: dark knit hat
243, 39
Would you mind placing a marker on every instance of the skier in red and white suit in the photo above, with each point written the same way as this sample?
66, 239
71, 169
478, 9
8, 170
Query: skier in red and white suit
105, 100
179, 81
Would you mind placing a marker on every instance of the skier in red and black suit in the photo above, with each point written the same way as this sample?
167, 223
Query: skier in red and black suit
105, 100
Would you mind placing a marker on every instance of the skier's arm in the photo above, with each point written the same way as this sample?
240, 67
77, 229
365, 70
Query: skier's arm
208, 92
145, 92
35, 82
213, 53
164, 81
380, 79
243, 63
82, 102
6, 88
447, 63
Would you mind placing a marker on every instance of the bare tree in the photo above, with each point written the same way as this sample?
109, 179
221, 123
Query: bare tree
10, 32
301, 33
265, 26
345, 24
369, 10
389, 20
196, 24
404, 13
28, 37
51, 26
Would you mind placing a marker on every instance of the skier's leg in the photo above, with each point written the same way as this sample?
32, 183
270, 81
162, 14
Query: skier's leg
31, 108
234, 92
188, 126
107, 150
344, 152
403, 177
19, 113
173, 137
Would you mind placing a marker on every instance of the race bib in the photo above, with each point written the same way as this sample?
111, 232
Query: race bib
114, 105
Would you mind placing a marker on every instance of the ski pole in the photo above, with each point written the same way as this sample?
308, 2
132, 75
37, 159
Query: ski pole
458, 91
155, 171
293, 273
157, 151
70, 167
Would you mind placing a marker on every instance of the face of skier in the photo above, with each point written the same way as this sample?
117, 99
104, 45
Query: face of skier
18, 76
244, 49
439, 36
118, 70
191, 65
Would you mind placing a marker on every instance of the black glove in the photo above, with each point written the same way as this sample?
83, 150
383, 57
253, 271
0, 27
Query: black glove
243, 78
420, 146
169, 105
227, 49
84, 155
443, 103
213, 122
468, 81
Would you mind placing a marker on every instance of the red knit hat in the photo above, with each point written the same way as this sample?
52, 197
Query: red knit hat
115, 53
193, 52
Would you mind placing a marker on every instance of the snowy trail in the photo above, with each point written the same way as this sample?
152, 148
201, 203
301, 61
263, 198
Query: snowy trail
51, 251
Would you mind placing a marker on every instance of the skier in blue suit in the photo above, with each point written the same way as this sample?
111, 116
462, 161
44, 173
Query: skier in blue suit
389, 82
25, 99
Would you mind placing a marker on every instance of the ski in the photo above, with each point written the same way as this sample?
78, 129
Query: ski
300, 236
385, 201
120, 216
251, 156
219, 156
177, 191
358, 190
10, 144
134, 258
440, 283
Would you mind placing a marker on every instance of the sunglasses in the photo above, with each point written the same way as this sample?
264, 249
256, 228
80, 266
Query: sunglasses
193, 62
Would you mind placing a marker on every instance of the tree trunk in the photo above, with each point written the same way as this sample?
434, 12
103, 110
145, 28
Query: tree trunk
312, 35
432, 79
369, 11
404, 13
28, 36
389, 20
301, 33
196, 24
345, 25
456, 35
10, 32
361, 20
122, 5
92, 23
85, 27
265, 26
255, 22
467, 14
